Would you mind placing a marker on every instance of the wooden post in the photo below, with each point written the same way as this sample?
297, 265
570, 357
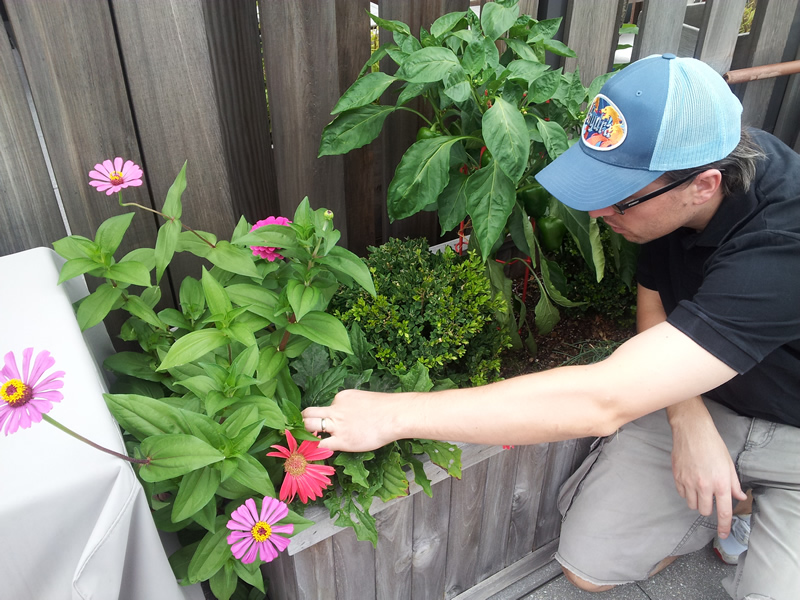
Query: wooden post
592, 31
718, 30
660, 25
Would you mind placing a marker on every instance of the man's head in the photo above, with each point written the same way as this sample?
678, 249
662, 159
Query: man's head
659, 115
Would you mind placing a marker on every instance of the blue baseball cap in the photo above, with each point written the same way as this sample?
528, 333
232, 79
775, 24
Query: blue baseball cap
661, 113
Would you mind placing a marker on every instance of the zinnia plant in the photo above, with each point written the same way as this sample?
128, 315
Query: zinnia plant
28, 394
267, 252
111, 177
255, 534
303, 478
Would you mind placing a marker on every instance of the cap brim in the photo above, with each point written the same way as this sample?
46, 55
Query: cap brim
584, 183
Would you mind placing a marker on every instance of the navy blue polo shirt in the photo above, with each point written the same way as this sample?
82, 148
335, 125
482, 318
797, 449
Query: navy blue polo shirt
734, 288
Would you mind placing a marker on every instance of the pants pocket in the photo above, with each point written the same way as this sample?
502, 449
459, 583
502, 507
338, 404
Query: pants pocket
570, 487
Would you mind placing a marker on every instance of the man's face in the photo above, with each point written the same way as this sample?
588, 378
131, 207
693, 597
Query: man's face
652, 219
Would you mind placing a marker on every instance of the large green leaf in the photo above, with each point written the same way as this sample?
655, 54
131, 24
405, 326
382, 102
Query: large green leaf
76, 246
507, 138
94, 308
129, 272
194, 492
353, 128
166, 244
137, 307
143, 416
324, 329
420, 177
526, 70
452, 207
173, 455
496, 19
216, 296
172, 203
77, 266
304, 298
524, 51
428, 65
446, 23
111, 231
490, 200
343, 261
586, 233
233, 258
546, 313
192, 346
252, 474
212, 553
364, 90
553, 136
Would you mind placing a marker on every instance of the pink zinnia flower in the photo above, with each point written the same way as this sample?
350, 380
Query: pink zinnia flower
255, 534
268, 252
302, 477
25, 396
115, 176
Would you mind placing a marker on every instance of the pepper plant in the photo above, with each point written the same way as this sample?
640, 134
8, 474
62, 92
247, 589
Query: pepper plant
494, 120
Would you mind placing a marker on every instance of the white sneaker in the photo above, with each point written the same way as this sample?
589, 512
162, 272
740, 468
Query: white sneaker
731, 547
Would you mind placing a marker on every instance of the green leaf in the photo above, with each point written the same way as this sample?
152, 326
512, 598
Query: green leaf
420, 177
135, 364
364, 90
173, 455
143, 416
250, 574
394, 483
223, 583
597, 84
553, 136
389, 25
410, 91
233, 258
216, 296
353, 129
111, 231
544, 87
507, 138
192, 299
559, 48
586, 233
428, 65
77, 266
195, 491
443, 454
544, 30
551, 288
135, 306
324, 329
474, 59
257, 299
166, 244
457, 85
304, 298
146, 256
252, 474
420, 476
417, 379
452, 208
76, 246
189, 242
497, 19
526, 70
129, 272
172, 204
94, 308
212, 553
248, 436
352, 464
192, 346
490, 199
546, 313
446, 23
341, 260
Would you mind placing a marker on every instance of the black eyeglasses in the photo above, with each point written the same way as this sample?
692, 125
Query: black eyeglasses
621, 207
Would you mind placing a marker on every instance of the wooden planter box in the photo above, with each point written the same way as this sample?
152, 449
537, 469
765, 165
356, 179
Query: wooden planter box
475, 537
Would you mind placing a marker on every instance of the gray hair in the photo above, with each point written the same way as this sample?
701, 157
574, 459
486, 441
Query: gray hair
739, 167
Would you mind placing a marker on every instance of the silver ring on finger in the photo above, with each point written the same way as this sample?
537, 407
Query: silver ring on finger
322, 424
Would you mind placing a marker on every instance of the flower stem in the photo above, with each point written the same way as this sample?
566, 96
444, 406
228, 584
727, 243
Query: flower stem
67, 430
160, 214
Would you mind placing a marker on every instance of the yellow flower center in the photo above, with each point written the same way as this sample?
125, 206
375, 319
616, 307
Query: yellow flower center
116, 177
14, 392
261, 531
295, 465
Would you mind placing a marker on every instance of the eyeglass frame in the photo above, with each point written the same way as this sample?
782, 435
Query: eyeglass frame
621, 207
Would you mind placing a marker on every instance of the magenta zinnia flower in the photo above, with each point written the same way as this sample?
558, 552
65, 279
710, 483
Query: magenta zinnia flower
115, 176
302, 477
268, 252
25, 396
254, 534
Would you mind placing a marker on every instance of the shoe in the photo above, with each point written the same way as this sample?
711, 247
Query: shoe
731, 547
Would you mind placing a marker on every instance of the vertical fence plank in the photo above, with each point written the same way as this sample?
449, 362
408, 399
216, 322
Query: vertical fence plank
529, 7
788, 121
314, 567
28, 210
234, 46
354, 566
497, 501
466, 497
393, 556
299, 38
400, 129
717, 37
361, 195
431, 524
525, 505
558, 469
71, 61
592, 30
660, 25
768, 45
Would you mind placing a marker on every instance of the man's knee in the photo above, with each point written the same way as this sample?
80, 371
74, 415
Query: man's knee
582, 584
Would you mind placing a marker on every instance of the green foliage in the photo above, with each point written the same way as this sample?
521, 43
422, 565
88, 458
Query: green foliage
221, 377
435, 309
511, 107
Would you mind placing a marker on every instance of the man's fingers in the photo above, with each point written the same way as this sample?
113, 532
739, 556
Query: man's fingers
724, 514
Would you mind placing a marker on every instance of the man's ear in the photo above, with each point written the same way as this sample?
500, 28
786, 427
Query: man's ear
707, 186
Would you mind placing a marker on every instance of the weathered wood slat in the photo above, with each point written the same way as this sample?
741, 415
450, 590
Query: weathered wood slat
527, 496
303, 83
234, 46
497, 502
717, 36
559, 466
354, 566
788, 122
315, 572
768, 45
529, 7
592, 31
431, 524
28, 211
394, 554
660, 25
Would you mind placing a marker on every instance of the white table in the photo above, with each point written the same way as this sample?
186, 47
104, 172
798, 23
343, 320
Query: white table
74, 522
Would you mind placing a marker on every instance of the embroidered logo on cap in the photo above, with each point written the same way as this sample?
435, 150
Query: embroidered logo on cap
605, 127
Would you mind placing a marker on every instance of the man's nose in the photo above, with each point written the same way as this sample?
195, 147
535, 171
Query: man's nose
602, 212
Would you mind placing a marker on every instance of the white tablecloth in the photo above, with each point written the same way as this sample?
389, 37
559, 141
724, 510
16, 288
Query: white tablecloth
74, 522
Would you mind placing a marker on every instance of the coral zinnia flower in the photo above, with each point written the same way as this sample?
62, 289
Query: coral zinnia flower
268, 252
255, 534
302, 477
25, 396
115, 176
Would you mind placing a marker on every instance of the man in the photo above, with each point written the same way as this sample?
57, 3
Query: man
718, 213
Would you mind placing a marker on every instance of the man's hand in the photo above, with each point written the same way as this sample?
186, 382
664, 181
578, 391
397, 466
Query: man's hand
702, 465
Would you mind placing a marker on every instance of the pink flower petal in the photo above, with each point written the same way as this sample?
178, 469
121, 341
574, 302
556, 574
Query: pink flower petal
240, 547
10, 369
108, 166
266, 551
26, 364
43, 362
252, 510
251, 554
118, 164
281, 543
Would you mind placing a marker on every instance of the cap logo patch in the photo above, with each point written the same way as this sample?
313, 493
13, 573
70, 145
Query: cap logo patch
605, 127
